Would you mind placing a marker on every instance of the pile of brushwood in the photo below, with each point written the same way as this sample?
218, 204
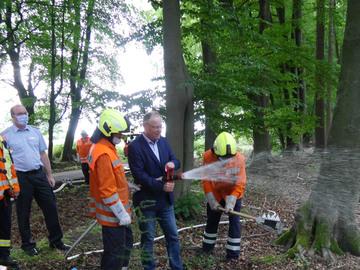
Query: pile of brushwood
283, 188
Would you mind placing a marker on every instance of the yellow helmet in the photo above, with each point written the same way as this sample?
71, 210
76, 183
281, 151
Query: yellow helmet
224, 145
112, 121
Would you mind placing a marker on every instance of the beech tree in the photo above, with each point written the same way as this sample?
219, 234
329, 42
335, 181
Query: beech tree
179, 93
326, 222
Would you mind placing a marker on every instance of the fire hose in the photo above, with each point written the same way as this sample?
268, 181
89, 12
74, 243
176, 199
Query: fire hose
135, 244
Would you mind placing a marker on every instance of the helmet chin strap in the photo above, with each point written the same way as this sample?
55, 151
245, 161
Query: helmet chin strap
225, 157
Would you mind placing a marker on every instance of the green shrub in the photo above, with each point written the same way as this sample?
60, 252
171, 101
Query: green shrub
58, 149
188, 206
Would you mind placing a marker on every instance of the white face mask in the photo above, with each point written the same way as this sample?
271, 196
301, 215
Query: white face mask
116, 140
22, 120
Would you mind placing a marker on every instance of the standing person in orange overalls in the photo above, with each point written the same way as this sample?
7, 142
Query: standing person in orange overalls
82, 150
109, 191
9, 187
226, 193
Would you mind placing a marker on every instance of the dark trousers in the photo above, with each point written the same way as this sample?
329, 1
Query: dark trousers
5, 226
85, 170
118, 242
234, 233
37, 186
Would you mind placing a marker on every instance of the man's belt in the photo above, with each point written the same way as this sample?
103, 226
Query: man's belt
31, 172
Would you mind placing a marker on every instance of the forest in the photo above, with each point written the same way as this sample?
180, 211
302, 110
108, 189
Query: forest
283, 74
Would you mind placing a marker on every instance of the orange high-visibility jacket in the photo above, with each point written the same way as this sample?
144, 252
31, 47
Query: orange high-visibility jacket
108, 183
83, 148
8, 179
234, 180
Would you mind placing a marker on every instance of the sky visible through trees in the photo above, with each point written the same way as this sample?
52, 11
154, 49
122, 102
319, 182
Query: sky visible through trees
137, 68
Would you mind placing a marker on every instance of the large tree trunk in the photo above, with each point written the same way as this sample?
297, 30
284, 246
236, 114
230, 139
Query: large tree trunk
327, 221
179, 96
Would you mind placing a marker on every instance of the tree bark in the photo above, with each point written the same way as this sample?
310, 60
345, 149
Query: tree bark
326, 223
179, 94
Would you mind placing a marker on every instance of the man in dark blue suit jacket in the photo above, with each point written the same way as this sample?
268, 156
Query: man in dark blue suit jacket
150, 156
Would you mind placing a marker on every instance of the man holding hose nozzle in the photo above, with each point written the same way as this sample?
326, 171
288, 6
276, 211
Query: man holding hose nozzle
150, 156
109, 191
226, 193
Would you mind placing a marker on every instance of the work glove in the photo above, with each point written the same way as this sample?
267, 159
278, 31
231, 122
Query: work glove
230, 202
133, 188
78, 157
212, 201
120, 212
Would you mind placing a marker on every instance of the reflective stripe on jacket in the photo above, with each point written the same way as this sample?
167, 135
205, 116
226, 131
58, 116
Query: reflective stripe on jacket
234, 180
83, 148
108, 183
8, 180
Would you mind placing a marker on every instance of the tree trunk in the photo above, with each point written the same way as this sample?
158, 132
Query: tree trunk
330, 59
54, 119
53, 80
179, 94
289, 146
12, 47
319, 87
261, 135
77, 81
326, 223
210, 107
300, 93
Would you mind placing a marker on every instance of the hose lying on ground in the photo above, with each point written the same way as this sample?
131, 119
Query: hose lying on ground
135, 244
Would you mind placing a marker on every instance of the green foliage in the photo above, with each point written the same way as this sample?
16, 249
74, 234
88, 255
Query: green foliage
188, 206
199, 147
249, 64
301, 261
58, 149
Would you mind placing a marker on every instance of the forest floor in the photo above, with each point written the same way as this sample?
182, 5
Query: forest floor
283, 189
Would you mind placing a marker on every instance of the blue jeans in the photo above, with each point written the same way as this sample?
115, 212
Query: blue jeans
166, 219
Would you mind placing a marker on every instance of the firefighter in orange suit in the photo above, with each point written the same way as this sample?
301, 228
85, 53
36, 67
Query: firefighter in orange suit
109, 191
82, 151
9, 187
226, 193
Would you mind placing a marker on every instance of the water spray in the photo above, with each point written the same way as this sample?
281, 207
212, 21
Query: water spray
216, 171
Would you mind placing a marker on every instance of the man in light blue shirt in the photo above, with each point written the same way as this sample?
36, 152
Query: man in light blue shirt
33, 169
153, 146
28, 146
